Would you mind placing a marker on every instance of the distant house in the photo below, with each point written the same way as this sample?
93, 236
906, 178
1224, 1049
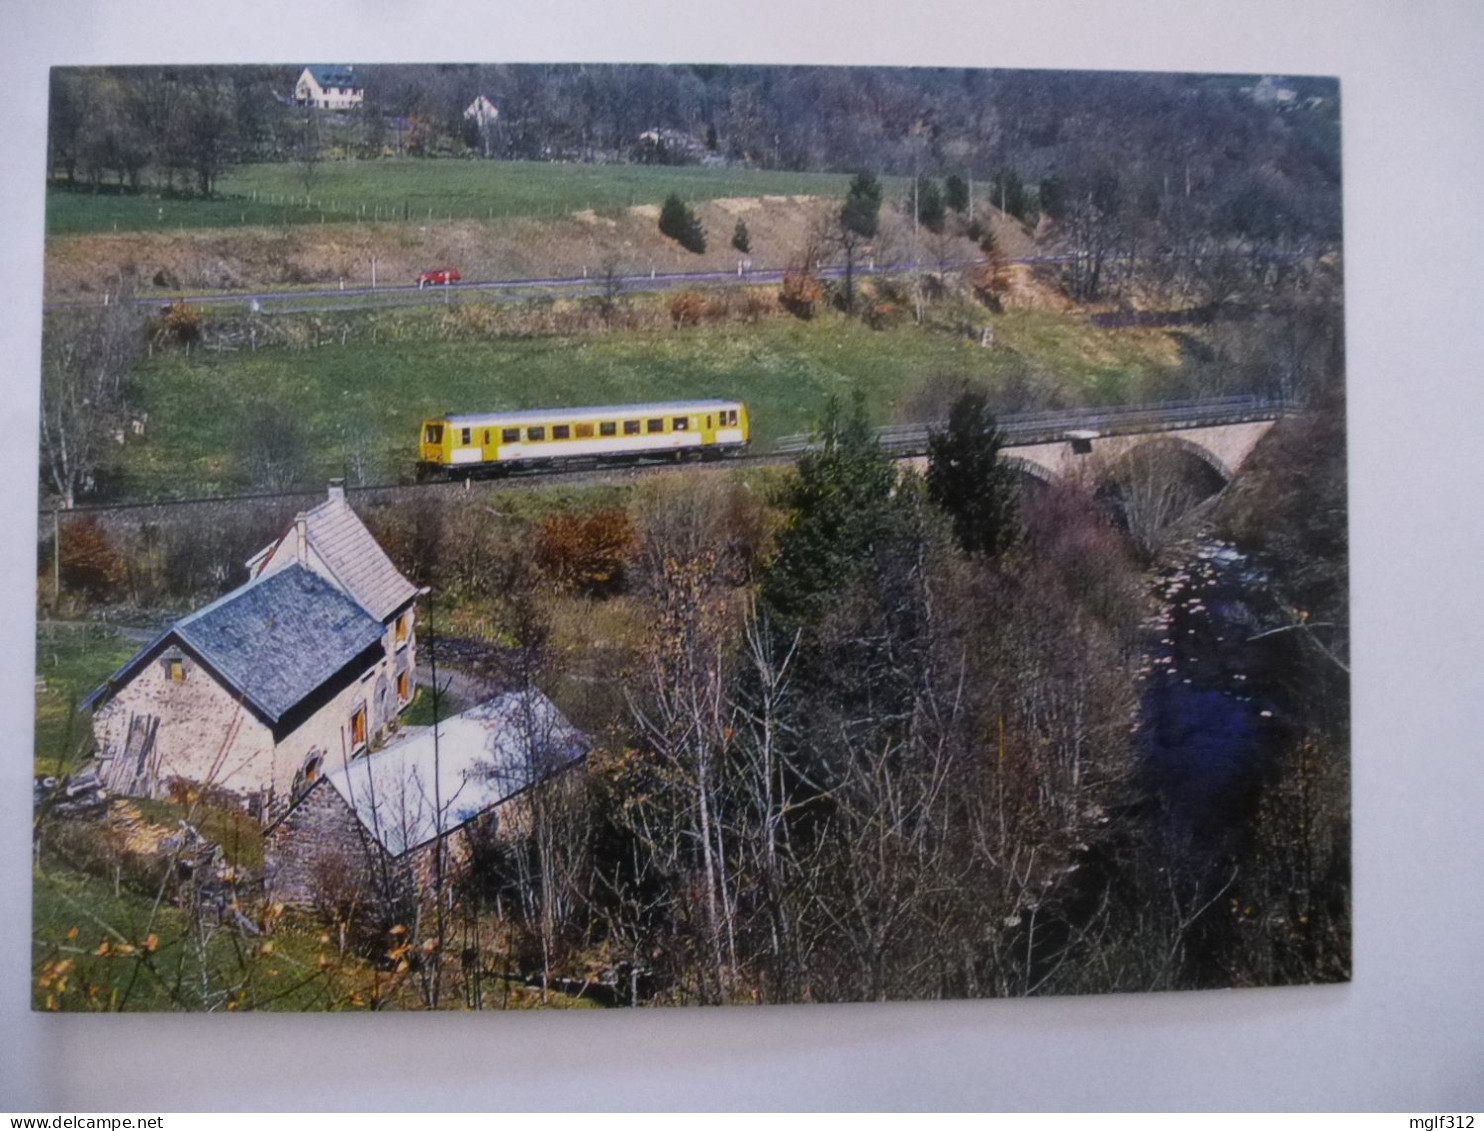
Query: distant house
329, 88
481, 112
372, 825
1269, 92
661, 146
254, 695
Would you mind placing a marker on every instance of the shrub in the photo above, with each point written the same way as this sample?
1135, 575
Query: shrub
90, 563
586, 553
180, 322
800, 292
686, 309
883, 315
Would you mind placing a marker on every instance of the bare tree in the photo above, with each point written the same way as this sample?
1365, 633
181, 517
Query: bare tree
88, 357
308, 153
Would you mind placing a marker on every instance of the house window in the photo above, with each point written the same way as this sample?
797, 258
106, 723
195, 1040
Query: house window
358, 728
402, 628
656, 424
584, 431
607, 428
561, 432
631, 428
536, 433
510, 435
176, 667
402, 695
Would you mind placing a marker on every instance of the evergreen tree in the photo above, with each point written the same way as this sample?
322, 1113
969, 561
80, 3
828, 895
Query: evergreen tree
967, 479
682, 225
860, 217
956, 193
837, 505
930, 210
740, 239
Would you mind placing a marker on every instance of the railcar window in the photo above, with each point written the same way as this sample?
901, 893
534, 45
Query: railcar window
510, 435
486, 435
631, 428
584, 431
656, 424
466, 435
708, 420
561, 432
536, 432
731, 416
607, 428
433, 434
679, 423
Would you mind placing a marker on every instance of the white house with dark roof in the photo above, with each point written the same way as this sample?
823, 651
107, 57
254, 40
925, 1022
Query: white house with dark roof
329, 87
381, 816
258, 693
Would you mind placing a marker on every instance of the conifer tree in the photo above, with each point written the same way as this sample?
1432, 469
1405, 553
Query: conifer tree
681, 224
967, 479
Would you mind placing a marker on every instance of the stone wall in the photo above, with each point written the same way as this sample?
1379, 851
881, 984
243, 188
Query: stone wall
319, 851
196, 717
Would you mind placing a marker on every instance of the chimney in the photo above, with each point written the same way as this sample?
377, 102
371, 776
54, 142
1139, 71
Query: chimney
301, 532
337, 490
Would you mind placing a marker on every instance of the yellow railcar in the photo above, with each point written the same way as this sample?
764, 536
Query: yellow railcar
467, 444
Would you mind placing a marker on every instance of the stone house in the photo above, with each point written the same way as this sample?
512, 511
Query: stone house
328, 88
369, 828
305, 665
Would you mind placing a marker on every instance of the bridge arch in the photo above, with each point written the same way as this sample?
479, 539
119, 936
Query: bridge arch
1031, 470
1171, 442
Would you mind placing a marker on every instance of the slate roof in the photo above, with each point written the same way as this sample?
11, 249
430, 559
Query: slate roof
274, 641
352, 555
328, 75
485, 756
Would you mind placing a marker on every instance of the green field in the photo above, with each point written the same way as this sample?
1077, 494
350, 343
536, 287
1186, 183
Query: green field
368, 398
418, 190
70, 663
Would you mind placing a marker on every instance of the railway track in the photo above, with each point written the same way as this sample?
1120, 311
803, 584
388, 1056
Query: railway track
905, 441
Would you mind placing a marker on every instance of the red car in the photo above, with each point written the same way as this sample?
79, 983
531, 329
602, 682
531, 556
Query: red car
439, 276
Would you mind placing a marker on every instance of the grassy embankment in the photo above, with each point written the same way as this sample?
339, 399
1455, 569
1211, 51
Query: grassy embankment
406, 188
70, 662
373, 394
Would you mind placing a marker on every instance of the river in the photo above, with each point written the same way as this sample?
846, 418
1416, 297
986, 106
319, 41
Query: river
1212, 713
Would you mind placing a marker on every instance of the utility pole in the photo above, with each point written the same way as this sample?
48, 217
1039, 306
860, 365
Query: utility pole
916, 266
56, 558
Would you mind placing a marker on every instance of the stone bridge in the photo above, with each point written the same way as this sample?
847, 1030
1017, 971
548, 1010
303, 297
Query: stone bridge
1221, 447
1219, 432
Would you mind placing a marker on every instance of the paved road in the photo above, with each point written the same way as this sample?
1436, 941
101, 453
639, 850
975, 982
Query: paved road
358, 298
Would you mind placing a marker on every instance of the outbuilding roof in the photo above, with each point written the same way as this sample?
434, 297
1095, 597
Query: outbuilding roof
482, 757
274, 641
